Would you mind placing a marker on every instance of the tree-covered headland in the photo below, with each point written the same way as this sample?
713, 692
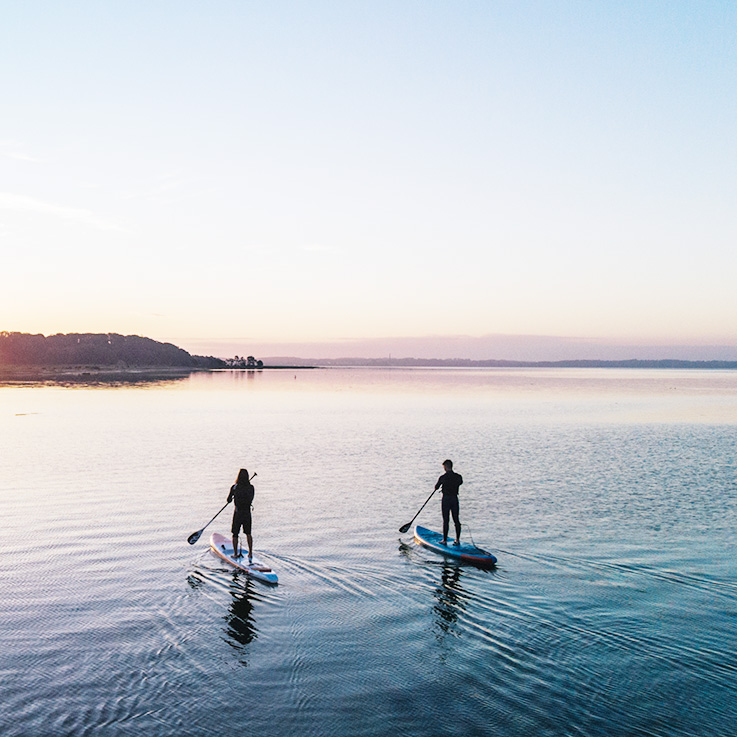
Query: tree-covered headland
96, 349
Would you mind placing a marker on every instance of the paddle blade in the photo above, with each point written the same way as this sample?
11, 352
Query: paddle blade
404, 528
194, 537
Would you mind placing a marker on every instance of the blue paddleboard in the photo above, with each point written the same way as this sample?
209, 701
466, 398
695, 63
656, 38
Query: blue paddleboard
465, 552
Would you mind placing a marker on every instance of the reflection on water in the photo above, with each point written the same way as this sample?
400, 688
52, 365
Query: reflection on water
240, 622
97, 380
195, 582
405, 549
450, 600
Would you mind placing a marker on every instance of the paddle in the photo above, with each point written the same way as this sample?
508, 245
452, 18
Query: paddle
406, 527
195, 536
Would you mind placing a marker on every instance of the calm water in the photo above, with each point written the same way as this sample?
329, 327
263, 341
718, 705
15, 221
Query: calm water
609, 497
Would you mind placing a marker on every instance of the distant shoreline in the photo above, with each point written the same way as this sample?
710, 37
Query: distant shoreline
109, 356
471, 363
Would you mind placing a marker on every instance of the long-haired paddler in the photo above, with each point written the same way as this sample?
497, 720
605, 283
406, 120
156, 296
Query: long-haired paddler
241, 493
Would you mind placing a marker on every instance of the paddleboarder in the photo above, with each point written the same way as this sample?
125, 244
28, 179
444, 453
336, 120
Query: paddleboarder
450, 481
241, 493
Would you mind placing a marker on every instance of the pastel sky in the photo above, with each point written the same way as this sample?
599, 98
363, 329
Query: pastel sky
240, 177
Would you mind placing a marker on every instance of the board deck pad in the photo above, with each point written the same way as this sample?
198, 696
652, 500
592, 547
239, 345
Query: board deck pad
223, 547
465, 551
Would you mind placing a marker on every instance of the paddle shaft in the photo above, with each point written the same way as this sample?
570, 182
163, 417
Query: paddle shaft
406, 527
195, 536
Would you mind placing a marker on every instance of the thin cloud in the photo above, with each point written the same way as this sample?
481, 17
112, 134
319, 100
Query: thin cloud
12, 150
21, 203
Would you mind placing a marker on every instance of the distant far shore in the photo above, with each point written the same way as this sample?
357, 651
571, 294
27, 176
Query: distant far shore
470, 363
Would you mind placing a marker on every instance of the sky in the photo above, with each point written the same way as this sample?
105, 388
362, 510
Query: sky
451, 179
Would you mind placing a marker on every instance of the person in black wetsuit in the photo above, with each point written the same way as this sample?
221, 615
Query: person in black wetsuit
450, 481
241, 493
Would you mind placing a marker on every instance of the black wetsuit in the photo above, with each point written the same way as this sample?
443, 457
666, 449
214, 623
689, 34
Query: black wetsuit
450, 481
242, 495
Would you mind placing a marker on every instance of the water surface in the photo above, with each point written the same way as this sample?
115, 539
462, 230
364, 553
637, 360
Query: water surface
609, 497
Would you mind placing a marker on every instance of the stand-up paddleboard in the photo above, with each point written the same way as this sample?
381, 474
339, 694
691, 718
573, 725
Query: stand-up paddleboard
223, 547
464, 551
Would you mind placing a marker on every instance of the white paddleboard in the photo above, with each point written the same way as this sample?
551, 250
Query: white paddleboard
223, 547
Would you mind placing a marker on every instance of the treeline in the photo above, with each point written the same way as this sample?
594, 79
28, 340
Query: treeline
665, 363
96, 349
241, 362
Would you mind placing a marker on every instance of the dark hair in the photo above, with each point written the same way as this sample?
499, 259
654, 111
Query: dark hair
448, 463
242, 477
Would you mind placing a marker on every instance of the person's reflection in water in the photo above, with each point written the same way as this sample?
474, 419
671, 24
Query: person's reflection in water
450, 598
240, 630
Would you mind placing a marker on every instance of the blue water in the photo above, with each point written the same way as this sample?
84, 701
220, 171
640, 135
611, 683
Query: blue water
609, 498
